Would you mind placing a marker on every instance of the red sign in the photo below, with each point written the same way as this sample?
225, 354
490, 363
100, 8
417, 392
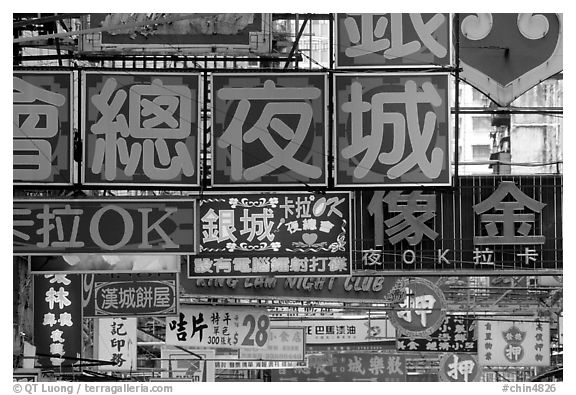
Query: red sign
504, 55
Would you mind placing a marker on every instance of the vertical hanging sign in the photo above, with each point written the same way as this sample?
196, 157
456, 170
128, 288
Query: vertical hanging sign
141, 128
58, 319
42, 127
269, 129
116, 342
392, 129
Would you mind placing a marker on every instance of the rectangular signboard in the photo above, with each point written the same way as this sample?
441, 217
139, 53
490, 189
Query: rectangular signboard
380, 289
56, 227
141, 128
457, 334
202, 33
239, 364
220, 327
96, 263
115, 341
392, 129
130, 294
348, 367
192, 364
57, 319
336, 331
525, 342
42, 127
488, 224
393, 40
287, 234
269, 129
284, 344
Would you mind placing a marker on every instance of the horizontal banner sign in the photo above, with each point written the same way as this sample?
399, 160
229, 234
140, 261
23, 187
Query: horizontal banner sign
130, 294
56, 227
339, 289
284, 344
288, 234
236, 364
218, 327
42, 127
343, 330
456, 334
348, 367
488, 223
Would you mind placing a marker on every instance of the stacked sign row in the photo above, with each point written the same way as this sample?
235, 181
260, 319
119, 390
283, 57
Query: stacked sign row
488, 223
143, 128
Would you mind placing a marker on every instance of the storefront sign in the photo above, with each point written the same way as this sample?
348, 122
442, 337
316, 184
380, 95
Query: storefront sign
220, 327
349, 289
336, 331
57, 319
459, 367
42, 127
130, 294
503, 55
422, 311
97, 263
141, 128
289, 234
392, 129
456, 334
56, 227
192, 364
269, 129
236, 364
380, 40
489, 223
514, 343
354, 366
116, 342
284, 344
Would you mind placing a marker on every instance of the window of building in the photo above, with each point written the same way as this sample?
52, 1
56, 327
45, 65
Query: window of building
481, 152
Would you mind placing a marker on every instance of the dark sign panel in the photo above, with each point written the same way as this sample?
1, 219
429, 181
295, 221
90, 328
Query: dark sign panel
456, 334
269, 129
42, 127
57, 319
56, 227
351, 366
141, 128
392, 129
380, 40
349, 289
534, 52
130, 294
488, 223
184, 33
284, 234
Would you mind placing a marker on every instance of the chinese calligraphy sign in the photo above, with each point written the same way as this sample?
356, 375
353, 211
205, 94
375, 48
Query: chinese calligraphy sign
42, 127
392, 129
525, 342
284, 344
141, 128
422, 311
296, 234
380, 40
58, 319
459, 367
218, 327
130, 294
98, 226
116, 342
488, 223
269, 129
456, 334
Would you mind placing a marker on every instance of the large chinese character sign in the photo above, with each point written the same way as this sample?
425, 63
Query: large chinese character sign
392, 129
459, 367
140, 128
115, 341
295, 234
58, 319
42, 127
269, 129
55, 227
380, 40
